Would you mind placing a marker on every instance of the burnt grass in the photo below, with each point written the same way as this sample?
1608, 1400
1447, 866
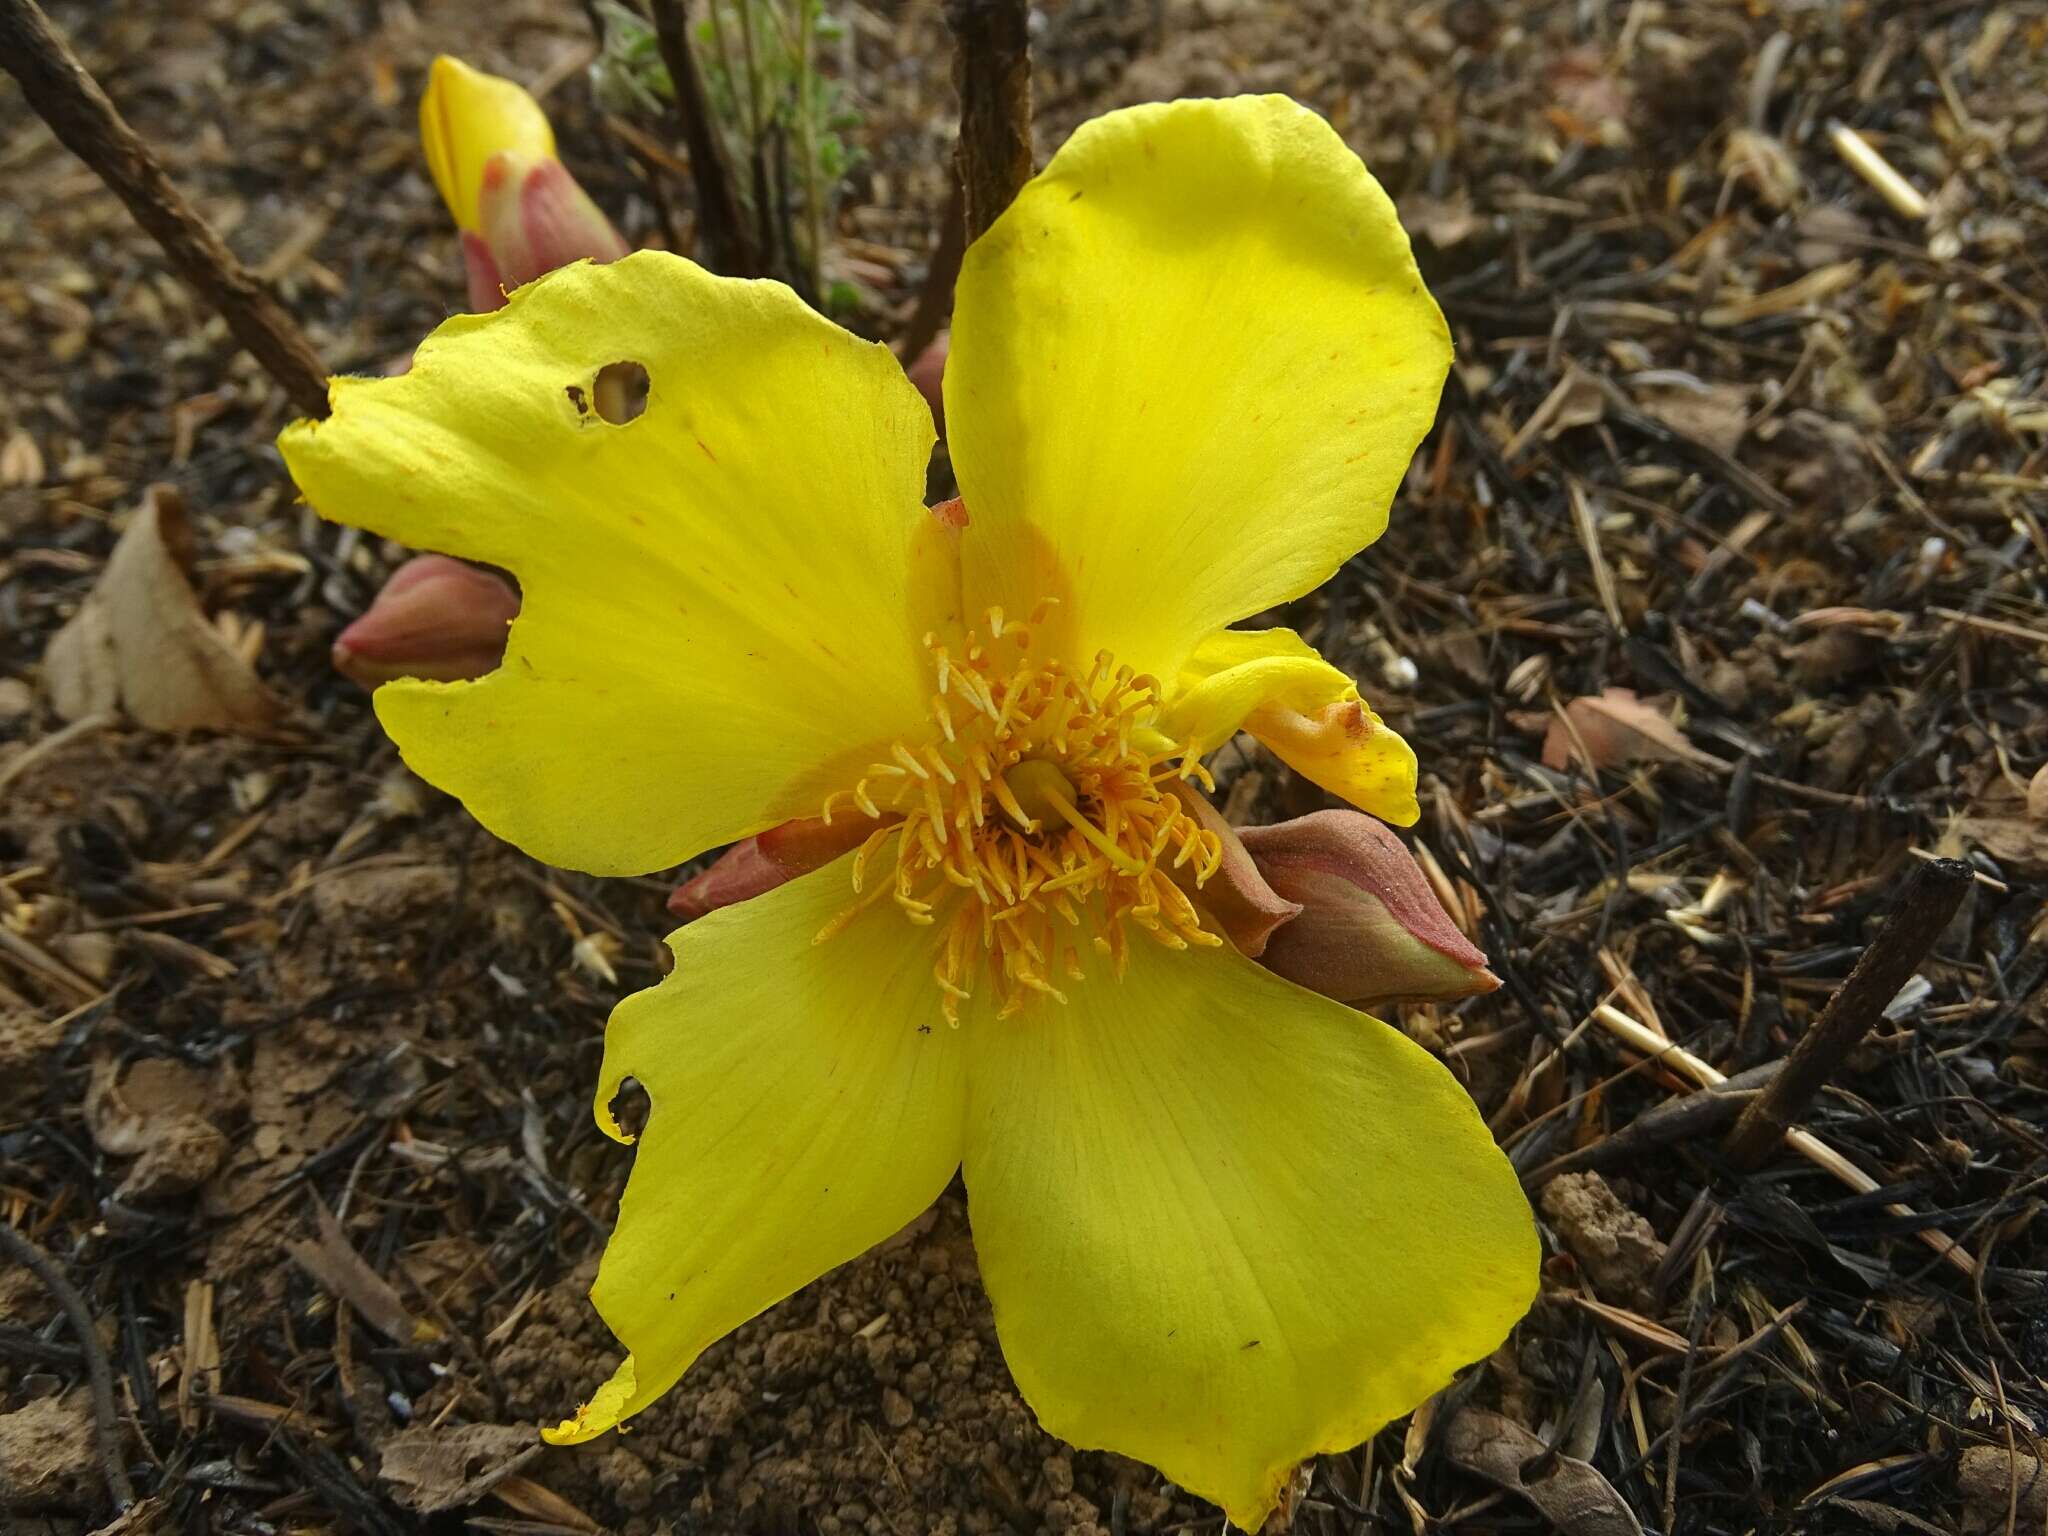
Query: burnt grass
1726, 430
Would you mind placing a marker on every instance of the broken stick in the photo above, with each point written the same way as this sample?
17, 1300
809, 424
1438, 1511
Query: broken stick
79, 113
1933, 892
992, 73
721, 228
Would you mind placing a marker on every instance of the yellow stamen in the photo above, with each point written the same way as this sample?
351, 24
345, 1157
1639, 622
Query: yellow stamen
1044, 801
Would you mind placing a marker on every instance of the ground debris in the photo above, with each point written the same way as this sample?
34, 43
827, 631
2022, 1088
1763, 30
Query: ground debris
1572, 1495
165, 1115
141, 643
1617, 1249
436, 1469
47, 1459
1999, 1486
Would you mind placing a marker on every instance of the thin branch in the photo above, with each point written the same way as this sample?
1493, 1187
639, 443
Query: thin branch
82, 117
757, 143
720, 227
106, 1425
1933, 892
992, 74
807, 126
1681, 1119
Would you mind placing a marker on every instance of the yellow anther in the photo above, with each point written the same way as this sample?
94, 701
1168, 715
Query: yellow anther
1043, 803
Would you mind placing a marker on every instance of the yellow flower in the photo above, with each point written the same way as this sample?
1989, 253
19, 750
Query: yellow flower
1225, 1223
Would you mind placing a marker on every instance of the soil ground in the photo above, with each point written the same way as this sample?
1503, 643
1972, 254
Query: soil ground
1727, 430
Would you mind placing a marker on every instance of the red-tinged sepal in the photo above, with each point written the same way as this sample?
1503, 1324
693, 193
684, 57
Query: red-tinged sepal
435, 618
1370, 930
760, 863
534, 217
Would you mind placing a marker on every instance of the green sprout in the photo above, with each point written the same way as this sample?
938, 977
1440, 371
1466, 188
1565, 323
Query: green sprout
783, 122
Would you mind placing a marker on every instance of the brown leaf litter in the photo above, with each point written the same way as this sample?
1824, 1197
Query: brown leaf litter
141, 643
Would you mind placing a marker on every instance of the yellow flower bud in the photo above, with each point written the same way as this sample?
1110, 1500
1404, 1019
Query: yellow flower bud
466, 117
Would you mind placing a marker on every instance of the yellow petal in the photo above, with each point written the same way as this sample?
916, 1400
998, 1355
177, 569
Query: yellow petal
1189, 367
467, 116
724, 598
1227, 1224
805, 1104
1272, 683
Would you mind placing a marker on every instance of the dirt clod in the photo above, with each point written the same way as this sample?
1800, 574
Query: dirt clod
1997, 1484
1616, 1248
47, 1460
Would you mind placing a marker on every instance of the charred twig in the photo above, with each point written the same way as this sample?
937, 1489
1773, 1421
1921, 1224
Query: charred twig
1674, 1121
106, 1425
1640, 1037
720, 226
79, 113
1932, 894
992, 73
21, 1344
328, 1478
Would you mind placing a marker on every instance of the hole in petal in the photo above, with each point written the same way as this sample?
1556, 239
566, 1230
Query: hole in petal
629, 1108
620, 390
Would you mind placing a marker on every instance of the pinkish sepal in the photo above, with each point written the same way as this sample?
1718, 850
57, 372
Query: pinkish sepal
1370, 930
486, 284
1236, 897
762, 862
535, 217
436, 618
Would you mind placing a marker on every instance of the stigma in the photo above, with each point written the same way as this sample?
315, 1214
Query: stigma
1039, 828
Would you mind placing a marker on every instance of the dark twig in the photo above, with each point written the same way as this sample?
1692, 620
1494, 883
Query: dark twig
329, 1479
1932, 894
1681, 1119
992, 74
720, 227
98, 1372
79, 113
18, 1343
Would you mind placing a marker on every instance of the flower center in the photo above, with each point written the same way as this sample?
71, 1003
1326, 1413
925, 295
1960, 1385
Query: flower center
1039, 825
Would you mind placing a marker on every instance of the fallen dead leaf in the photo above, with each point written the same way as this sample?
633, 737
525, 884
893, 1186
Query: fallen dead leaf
140, 640
1570, 1493
1714, 414
430, 1470
21, 461
526, 1497
2012, 830
1613, 728
161, 1113
331, 1260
